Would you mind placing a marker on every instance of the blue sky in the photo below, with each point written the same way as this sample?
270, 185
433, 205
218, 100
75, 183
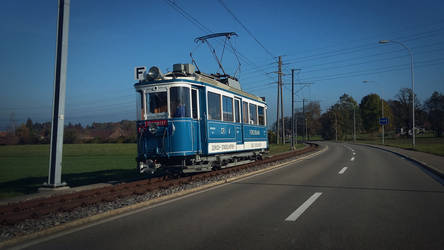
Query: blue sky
335, 43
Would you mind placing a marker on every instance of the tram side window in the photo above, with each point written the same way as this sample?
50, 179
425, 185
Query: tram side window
194, 101
213, 106
157, 102
180, 101
237, 110
261, 115
228, 108
140, 108
245, 112
253, 114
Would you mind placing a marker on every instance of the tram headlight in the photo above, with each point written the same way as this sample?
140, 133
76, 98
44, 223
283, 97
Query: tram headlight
154, 73
152, 128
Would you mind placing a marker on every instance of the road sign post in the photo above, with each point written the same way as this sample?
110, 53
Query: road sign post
383, 121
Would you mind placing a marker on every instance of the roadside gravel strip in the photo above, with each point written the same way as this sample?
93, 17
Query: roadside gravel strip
34, 228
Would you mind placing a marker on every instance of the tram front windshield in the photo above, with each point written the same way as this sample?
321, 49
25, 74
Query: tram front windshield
180, 101
156, 103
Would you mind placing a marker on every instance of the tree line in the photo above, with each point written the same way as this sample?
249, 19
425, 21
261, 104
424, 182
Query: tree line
338, 118
39, 133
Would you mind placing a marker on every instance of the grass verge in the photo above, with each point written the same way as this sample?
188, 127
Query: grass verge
432, 145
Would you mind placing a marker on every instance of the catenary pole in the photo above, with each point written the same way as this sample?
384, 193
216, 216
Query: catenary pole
354, 124
277, 108
58, 107
292, 109
282, 99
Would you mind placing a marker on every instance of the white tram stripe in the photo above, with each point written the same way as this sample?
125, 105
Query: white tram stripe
298, 212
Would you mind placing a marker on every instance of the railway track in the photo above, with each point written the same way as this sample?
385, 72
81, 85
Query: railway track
14, 213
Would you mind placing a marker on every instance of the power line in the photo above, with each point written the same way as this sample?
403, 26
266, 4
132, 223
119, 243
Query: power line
362, 47
205, 29
379, 70
246, 29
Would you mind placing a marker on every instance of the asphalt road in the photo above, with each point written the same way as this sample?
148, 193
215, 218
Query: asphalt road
349, 197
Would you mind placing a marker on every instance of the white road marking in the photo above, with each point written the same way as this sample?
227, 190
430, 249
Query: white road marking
354, 153
352, 159
298, 212
342, 170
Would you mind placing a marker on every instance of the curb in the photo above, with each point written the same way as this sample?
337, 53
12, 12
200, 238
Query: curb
14, 242
423, 165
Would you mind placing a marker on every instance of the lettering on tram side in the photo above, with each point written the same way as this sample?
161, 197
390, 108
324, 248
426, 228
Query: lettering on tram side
254, 132
255, 144
219, 147
212, 130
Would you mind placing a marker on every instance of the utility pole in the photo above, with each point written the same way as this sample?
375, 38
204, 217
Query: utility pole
354, 124
382, 115
292, 109
282, 97
58, 107
305, 119
277, 114
336, 125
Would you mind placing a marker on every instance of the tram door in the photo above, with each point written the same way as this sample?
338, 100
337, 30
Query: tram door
195, 128
237, 120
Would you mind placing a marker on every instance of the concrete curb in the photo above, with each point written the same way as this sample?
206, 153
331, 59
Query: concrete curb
422, 164
115, 212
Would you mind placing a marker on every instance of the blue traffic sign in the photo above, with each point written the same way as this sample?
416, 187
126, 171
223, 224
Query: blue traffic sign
383, 121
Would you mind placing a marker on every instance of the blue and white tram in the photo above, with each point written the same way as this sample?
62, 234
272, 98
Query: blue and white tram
190, 122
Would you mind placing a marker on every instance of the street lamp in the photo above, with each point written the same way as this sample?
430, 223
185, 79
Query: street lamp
382, 109
413, 85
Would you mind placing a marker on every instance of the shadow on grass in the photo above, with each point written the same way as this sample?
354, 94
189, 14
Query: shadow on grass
32, 184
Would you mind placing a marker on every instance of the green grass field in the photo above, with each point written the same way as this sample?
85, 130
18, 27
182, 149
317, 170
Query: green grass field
24, 168
433, 145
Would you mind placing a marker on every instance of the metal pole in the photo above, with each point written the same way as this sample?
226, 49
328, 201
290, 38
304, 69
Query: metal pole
382, 114
58, 112
282, 100
354, 124
292, 109
277, 114
277, 107
305, 120
413, 85
336, 121
413, 96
